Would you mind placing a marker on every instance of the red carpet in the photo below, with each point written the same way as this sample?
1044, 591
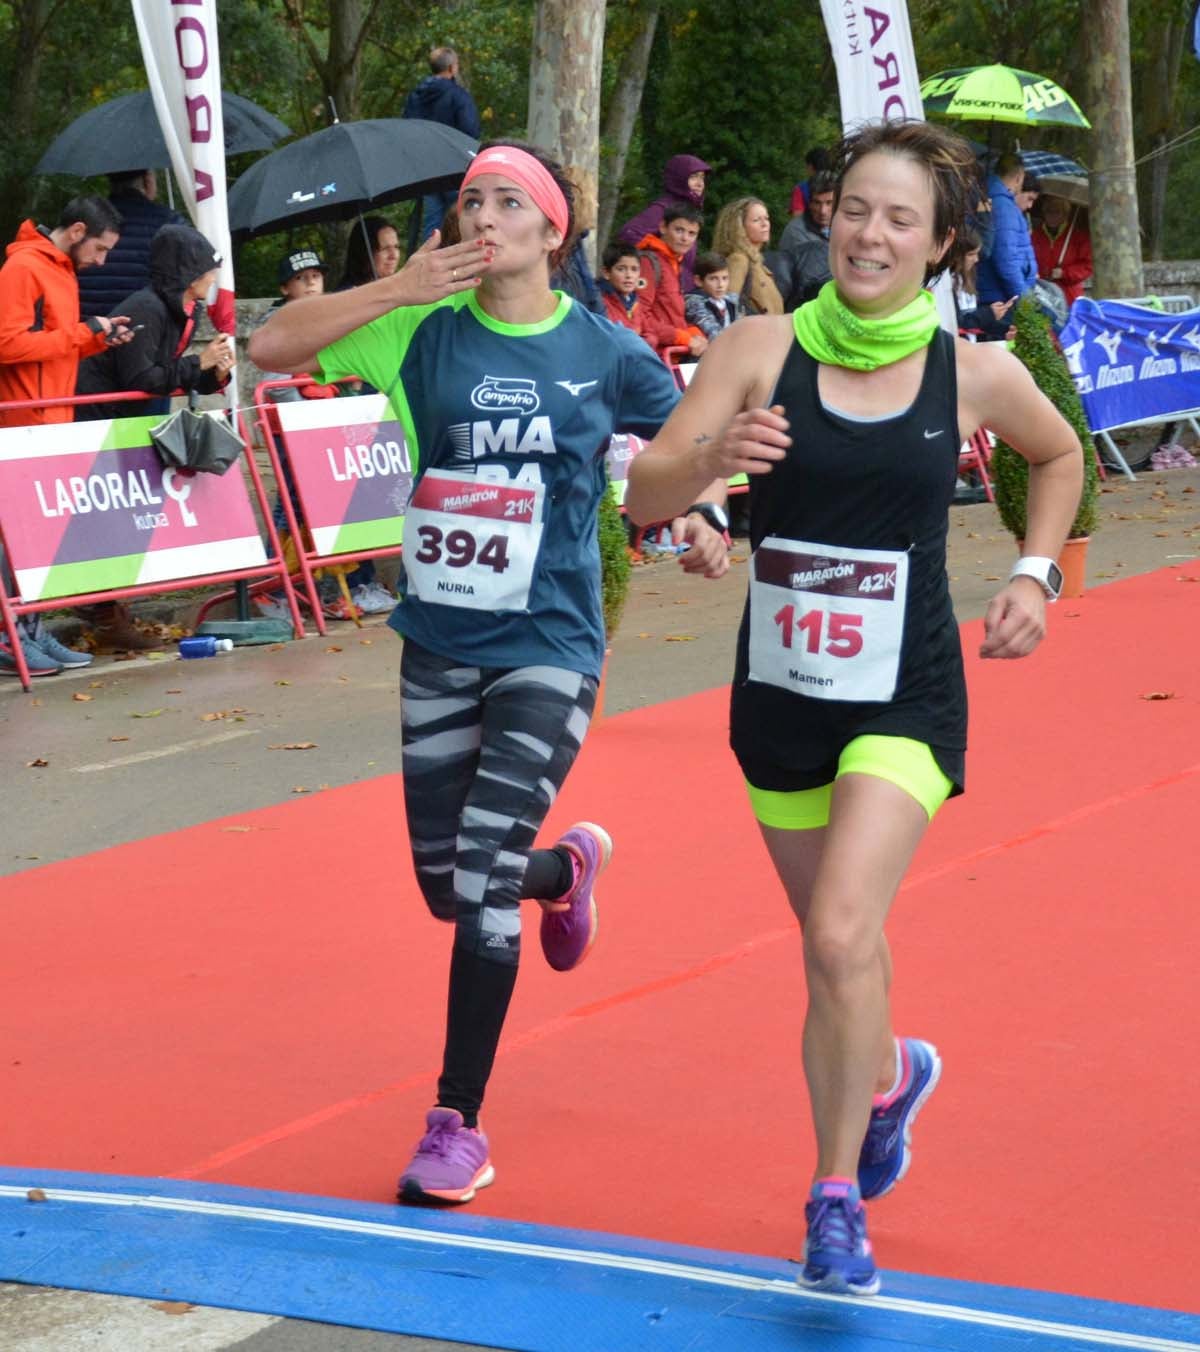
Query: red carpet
249, 1006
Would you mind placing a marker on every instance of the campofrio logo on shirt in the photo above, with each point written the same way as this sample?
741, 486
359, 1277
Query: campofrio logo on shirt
506, 394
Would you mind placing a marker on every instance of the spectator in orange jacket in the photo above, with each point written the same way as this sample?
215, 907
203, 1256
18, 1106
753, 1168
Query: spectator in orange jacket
1062, 245
620, 287
665, 324
42, 338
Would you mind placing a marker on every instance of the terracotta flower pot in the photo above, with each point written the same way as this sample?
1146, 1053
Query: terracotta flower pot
1073, 562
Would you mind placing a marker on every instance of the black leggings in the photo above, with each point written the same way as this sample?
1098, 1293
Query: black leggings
486, 751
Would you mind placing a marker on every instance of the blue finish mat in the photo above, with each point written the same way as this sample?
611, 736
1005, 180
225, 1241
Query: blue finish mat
504, 1284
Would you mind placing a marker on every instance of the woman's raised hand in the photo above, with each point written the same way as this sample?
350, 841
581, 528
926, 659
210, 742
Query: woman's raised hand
432, 273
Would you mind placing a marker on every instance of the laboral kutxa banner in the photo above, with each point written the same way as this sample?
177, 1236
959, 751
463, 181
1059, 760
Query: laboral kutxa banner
351, 466
89, 507
1132, 364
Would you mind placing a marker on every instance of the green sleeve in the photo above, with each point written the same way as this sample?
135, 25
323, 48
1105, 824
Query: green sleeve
374, 351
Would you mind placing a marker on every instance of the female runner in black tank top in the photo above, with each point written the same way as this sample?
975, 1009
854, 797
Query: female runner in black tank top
849, 710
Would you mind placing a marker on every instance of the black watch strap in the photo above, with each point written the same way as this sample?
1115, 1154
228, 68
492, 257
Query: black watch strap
712, 513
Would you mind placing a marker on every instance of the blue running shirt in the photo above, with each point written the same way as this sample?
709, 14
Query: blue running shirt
508, 421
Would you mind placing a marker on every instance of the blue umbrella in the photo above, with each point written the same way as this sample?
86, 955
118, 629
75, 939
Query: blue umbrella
1043, 163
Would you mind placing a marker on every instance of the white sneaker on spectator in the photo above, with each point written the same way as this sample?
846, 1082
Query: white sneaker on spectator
372, 599
273, 608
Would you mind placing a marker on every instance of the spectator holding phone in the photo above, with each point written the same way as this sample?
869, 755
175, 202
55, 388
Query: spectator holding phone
42, 338
183, 268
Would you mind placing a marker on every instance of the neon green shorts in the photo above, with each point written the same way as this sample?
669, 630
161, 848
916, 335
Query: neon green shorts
901, 761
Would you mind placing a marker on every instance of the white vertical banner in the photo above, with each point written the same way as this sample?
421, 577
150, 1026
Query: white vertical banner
183, 64
878, 82
876, 67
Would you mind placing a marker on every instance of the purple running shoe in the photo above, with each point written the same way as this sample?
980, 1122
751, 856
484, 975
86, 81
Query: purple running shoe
837, 1252
886, 1149
567, 935
450, 1163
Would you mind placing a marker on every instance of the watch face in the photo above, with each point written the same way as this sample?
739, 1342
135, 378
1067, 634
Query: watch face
1054, 578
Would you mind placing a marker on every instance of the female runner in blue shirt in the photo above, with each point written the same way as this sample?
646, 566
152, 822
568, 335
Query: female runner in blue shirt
508, 394
848, 713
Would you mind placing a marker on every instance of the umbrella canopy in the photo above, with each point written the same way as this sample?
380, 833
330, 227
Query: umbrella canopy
1069, 187
123, 135
344, 170
1045, 164
1001, 94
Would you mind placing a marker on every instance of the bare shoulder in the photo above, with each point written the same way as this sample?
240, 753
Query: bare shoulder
984, 367
752, 353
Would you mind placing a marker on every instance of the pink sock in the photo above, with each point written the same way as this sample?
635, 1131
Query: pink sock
901, 1080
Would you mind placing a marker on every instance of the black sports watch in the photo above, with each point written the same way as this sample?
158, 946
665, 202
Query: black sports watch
714, 515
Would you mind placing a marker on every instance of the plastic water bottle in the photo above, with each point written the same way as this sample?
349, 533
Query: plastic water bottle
659, 542
204, 645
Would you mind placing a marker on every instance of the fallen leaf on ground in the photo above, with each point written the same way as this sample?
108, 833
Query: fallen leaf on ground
1159, 694
292, 746
366, 642
991, 577
172, 1306
80, 698
645, 636
300, 788
38, 764
174, 692
283, 682
95, 685
1162, 534
238, 829
682, 603
679, 638
35, 1195
343, 679
333, 648
118, 739
150, 713
275, 648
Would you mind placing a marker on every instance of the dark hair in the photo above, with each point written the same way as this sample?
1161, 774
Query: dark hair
682, 211
945, 157
450, 231
1030, 183
97, 213
1008, 164
613, 253
822, 182
964, 270
708, 262
817, 159
441, 59
360, 267
565, 186
131, 178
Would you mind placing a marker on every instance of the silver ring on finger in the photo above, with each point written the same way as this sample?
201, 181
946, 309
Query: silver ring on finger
454, 274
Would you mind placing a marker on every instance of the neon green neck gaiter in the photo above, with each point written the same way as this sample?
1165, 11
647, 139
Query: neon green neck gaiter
835, 335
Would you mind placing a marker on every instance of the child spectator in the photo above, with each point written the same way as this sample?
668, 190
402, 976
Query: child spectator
665, 323
619, 285
302, 273
684, 180
712, 306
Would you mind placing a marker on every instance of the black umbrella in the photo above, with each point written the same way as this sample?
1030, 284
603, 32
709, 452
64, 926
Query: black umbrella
344, 170
123, 135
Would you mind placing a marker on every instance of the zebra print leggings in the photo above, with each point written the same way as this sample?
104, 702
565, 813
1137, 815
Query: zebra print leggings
486, 751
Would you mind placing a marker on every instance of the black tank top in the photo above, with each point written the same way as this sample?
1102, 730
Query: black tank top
884, 485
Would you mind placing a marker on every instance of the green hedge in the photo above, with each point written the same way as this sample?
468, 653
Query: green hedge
1010, 471
615, 567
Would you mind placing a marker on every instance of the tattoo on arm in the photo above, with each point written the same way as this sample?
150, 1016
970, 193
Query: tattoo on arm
701, 439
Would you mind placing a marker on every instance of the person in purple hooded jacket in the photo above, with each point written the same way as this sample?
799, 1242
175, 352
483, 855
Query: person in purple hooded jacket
684, 181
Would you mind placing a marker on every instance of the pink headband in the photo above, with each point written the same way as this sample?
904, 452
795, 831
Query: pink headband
527, 173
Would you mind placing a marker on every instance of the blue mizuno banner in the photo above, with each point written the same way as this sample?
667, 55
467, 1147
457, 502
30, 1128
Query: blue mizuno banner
1132, 364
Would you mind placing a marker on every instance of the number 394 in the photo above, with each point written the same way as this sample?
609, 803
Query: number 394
842, 635
460, 548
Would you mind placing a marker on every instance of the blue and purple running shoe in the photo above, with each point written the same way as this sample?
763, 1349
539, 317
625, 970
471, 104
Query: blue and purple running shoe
837, 1252
567, 935
887, 1148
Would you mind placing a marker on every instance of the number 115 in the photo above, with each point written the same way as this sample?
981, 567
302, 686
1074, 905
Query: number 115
843, 636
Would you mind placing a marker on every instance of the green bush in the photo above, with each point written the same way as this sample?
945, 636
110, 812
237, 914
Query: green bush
615, 567
1010, 471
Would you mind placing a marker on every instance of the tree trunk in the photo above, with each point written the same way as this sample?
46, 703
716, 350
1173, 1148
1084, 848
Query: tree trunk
564, 96
622, 117
1116, 245
1158, 115
341, 76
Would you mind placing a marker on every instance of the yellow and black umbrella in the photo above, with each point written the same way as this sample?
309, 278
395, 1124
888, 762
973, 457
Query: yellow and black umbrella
1001, 94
